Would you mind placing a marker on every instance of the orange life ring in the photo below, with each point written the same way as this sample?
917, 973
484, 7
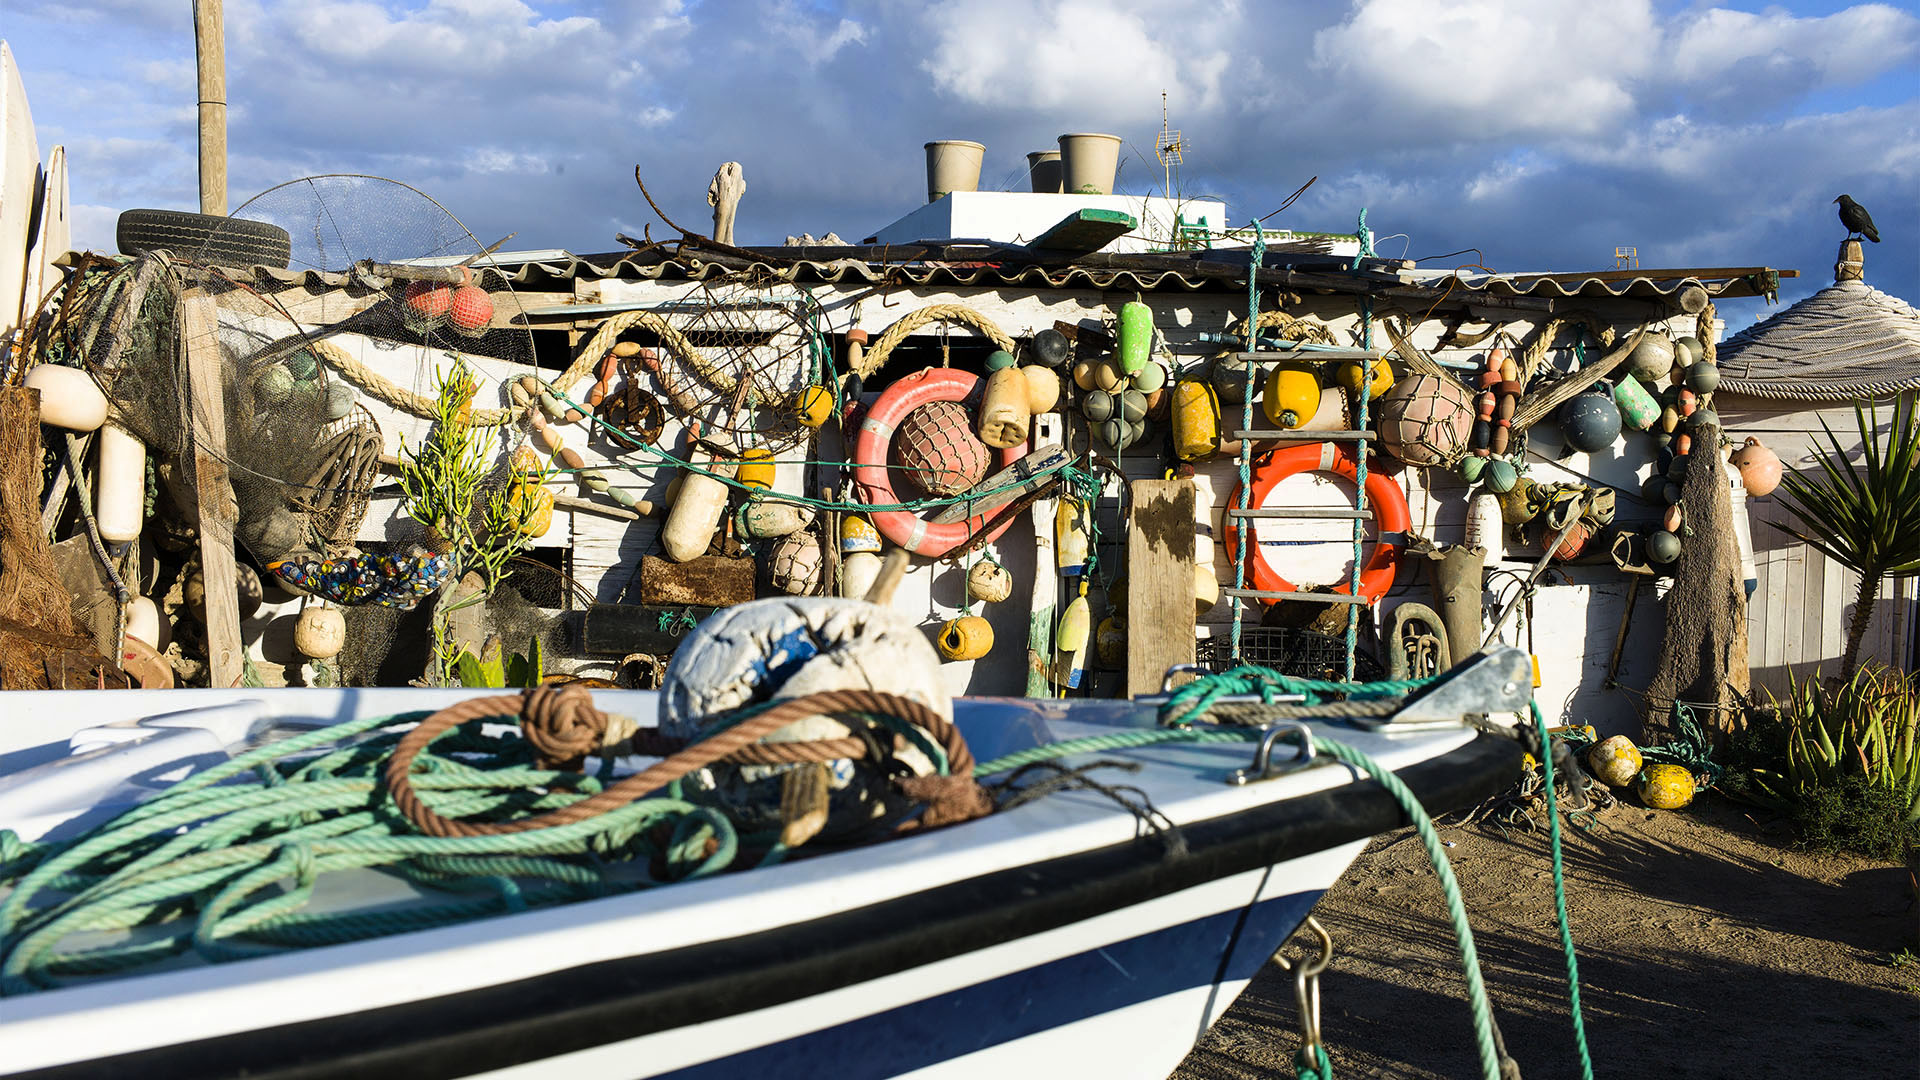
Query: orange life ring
1384, 498
869, 459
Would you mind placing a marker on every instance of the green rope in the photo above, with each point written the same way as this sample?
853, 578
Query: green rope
222, 863
1316, 1067
1192, 701
1560, 897
1360, 454
1256, 258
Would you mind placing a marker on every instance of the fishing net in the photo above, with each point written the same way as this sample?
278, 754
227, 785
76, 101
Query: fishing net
1703, 659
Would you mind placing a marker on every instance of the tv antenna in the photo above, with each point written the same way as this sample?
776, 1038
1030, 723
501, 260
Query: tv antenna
1170, 148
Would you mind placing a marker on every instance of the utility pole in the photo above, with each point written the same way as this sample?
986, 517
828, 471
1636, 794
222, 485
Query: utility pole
210, 41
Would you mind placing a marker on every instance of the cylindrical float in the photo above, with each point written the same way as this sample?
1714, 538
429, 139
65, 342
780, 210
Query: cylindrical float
1005, 412
696, 512
1070, 537
1135, 336
69, 398
122, 486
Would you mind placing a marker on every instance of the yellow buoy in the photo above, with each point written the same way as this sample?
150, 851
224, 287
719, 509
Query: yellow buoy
1292, 396
968, 637
814, 406
989, 582
1005, 414
1043, 389
533, 504
1070, 641
1070, 537
756, 468
1615, 760
1196, 419
1666, 787
1348, 376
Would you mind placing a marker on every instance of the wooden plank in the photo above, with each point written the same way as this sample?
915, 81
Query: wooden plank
1086, 231
210, 39
207, 437
624, 629
1159, 582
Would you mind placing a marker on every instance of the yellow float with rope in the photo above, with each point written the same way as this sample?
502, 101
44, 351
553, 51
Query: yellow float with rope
968, 637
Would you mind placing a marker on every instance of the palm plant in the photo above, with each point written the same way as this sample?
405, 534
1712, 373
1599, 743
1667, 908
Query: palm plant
1865, 517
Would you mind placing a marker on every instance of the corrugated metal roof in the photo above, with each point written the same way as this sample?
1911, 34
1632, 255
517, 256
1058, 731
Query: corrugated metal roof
978, 264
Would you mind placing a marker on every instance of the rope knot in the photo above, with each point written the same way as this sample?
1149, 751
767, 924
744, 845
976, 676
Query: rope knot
561, 725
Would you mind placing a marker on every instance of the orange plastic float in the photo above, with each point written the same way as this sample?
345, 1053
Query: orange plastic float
1384, 498
869, 459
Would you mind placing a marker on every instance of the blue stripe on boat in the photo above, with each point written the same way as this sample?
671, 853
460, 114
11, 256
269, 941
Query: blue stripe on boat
1228, 946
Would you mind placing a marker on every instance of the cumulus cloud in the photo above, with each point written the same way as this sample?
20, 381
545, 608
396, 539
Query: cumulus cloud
1543, 132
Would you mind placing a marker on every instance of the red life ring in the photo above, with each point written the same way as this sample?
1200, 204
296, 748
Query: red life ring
869, 459
1384, 498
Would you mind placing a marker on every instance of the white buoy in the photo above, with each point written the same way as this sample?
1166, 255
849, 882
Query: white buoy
1486, 529
696, 512
69, 398
1742, 529
321, 632
144, 623
122, 481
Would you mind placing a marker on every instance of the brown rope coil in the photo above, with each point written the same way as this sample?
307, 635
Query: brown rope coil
563, 725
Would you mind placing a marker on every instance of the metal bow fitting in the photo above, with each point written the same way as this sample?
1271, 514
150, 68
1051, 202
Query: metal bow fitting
1306, 988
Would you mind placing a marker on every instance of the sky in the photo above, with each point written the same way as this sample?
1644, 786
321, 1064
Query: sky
1542, 134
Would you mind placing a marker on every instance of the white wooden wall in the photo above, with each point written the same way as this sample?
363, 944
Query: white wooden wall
1803, 608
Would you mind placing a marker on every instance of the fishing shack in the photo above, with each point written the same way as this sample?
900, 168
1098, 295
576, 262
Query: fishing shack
1080, 438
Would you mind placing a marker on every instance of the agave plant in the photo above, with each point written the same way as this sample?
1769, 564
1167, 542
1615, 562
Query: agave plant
1867, 726
1865, 517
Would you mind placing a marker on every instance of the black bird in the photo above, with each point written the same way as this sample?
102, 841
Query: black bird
1856, 219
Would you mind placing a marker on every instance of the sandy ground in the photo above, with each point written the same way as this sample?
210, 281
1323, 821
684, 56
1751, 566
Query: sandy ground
1707, 950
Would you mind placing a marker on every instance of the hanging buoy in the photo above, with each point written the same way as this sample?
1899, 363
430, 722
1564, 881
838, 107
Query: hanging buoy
471, 311
1097, 406
989, 582
122, 483
1521, 503
321, 632
1687, 350
532, 505
426, 305
1349, 375
1573, 543
814, 406
859, 556
1291, 397
1486, 529
1004, 411
793, 565
1427, 420
1232, 379
968, 637
1666, 787
1652, 359
1471, 467
1070, 641
1133, 406
1591, 421
1106, 377
1083, 374
998, 359
1674, 518
856, 357
695, 515
1500, 475
1135, 339
1615, 760
69, 398
1196, 419
144, 623
1043, 389
1051, 347
1150, 378
1703, 378
766, 519
1637, 407
756, 468
1663, 547
1117, 434
1110, 641
1070, 537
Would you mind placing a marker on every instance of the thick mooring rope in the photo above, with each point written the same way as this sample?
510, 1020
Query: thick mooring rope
903, 327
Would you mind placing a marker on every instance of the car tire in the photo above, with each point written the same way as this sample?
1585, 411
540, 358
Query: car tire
204, 238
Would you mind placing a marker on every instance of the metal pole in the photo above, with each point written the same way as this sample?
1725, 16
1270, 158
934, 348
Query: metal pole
210, 41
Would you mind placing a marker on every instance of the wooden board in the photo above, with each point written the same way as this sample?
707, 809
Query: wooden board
50, 236
19, 180
1085, 231
1159, 582
199, 332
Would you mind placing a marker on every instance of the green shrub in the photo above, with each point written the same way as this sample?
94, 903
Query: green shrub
1854, 815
